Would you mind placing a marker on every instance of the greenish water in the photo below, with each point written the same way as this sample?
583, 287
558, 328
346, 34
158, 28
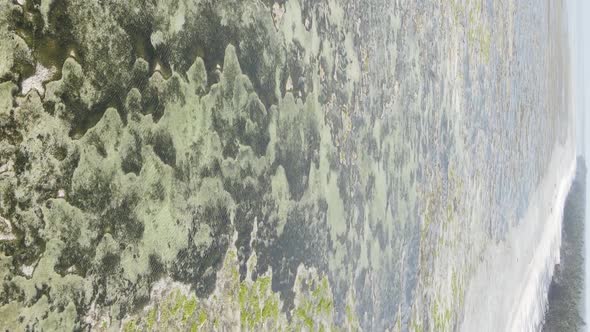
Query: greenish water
203, 164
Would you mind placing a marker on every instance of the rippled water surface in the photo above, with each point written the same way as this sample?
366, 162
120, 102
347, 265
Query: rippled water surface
299, 164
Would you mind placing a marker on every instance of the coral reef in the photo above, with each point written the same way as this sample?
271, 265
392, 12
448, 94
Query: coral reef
197, 164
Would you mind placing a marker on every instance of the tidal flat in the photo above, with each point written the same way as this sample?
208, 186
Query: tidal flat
277, 165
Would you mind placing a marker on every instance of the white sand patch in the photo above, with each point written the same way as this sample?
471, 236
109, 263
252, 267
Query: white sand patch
42, 75
508, 291
6, 168
278, 10
27, 270
157, 38
6, 230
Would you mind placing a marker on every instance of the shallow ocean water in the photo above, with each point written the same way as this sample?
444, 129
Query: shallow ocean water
271, 164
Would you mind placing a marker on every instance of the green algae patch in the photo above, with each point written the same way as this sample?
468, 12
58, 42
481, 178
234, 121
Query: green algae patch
133, 168
314, 308
249, 305
116, 197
